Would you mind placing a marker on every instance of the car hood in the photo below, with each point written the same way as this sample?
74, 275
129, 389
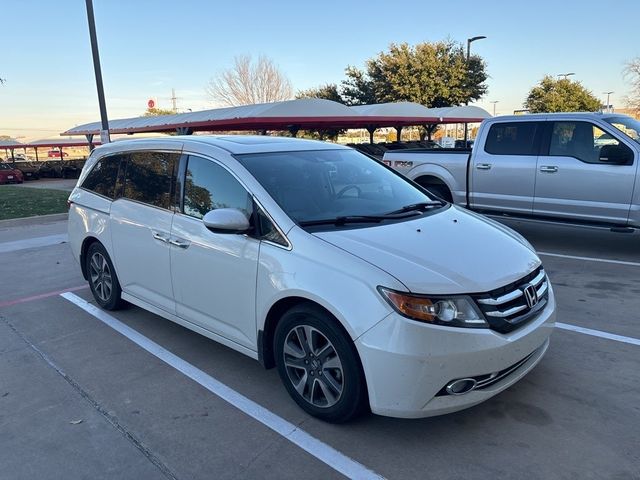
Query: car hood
449, 252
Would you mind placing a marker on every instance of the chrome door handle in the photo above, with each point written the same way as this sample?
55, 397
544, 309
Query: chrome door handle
483, 166
160, 236
549, 169
179, 242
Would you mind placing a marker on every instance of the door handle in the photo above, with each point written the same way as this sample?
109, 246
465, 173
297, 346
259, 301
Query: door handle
483, 166
179, 242
163, 237
549, 169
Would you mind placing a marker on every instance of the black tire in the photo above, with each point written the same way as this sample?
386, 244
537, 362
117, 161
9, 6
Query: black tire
440, 191
102, 278
321, 373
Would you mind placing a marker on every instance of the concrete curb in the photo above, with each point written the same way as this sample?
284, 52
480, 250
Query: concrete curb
34, 220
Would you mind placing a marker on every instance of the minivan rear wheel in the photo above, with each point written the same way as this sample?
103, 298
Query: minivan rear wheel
319, 364
102, 278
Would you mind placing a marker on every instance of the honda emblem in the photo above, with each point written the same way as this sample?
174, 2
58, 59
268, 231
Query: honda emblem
531, 295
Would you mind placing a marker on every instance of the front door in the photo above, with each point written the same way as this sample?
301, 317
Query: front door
214, 274
575, 181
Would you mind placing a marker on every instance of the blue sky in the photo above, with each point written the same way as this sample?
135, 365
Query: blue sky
147, 47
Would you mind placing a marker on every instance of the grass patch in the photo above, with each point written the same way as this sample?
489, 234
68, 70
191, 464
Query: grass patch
18, 202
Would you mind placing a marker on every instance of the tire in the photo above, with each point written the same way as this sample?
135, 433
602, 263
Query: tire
102, 278
315, 354
440, 191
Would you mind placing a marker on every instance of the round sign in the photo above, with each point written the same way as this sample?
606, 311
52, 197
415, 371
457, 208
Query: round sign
151, 103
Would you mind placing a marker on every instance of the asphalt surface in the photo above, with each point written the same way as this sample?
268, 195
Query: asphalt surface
80, 400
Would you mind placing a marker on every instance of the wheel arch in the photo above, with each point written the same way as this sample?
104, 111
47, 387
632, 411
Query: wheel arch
86, 243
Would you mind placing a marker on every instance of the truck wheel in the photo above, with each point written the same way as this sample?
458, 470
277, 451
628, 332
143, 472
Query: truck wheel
319, 365
440, 191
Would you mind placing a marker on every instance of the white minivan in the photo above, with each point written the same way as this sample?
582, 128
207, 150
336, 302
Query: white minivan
362, 289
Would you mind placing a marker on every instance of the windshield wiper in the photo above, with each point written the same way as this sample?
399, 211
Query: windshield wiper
417, 207
344, 220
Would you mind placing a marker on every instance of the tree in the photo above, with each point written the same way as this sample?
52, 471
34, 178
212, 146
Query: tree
328, 91
632, 73
432, 74
154, 112
248, 83
560, 95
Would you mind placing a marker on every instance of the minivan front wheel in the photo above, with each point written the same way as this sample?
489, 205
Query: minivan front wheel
102, 278
318, 365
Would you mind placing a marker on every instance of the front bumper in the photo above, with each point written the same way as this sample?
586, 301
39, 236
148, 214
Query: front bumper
406, 363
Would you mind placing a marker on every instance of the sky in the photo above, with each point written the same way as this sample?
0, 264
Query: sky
148, 47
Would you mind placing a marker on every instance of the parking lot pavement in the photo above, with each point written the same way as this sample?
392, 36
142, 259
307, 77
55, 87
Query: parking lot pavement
574, 416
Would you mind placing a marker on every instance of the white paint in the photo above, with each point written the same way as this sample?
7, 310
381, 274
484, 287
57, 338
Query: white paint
599, 333
590, 259
35, 242
323, 452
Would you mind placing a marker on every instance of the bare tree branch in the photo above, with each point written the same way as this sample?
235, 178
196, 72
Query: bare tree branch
248, 83
631, 73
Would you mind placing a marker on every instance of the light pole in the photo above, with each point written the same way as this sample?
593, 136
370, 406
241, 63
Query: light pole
608, 107
469, 42
104, 133
565, 75
494, 106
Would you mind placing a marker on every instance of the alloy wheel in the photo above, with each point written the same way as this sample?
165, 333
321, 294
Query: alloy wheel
313, 366
100, 275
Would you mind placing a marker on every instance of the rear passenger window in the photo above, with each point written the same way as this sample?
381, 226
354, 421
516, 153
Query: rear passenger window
103, 176
149, 177
209, 186
516, 138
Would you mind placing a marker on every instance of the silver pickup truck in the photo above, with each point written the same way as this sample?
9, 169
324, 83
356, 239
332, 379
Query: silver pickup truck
570, 167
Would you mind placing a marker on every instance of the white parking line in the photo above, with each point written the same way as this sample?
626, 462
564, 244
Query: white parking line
323, 452
598, 333
34, 242
590, 259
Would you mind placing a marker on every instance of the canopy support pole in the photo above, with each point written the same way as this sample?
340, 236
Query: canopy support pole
184, 130
398, 133
371, 129
37, 159
89, 137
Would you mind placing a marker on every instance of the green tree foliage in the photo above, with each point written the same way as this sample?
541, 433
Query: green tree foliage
154, 112
560, 95
433, 74
328, 91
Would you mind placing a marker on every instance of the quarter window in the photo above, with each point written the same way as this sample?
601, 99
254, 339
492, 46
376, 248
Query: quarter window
149, 177
581, 140
103, 176
515, 138
209, 186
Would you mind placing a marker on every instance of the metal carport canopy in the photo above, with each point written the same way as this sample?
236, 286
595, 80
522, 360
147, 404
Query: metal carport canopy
308, 113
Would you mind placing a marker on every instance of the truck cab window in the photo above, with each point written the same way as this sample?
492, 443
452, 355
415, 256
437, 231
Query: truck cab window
581, 140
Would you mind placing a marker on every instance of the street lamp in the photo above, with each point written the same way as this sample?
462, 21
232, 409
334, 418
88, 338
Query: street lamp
608, 107
565, 75
469, 42
494, 106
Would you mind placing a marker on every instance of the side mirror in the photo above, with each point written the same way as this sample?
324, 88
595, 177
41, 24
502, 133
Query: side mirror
616, 154
226, 220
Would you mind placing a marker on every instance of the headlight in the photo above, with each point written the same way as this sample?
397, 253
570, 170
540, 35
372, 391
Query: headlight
453, 311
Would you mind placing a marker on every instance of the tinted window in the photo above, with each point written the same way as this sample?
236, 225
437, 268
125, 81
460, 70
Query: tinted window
209, 186
102, 178
581, 140
268, 231
516, 138
149, 177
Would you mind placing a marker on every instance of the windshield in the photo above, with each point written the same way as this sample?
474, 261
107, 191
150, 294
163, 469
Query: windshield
327, 184
627, 125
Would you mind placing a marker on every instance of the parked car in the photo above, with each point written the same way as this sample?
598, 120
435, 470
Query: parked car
361, 288
30, 170
8, 174
57, 154
570, 167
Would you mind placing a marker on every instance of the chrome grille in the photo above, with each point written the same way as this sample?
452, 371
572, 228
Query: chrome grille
508, 308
